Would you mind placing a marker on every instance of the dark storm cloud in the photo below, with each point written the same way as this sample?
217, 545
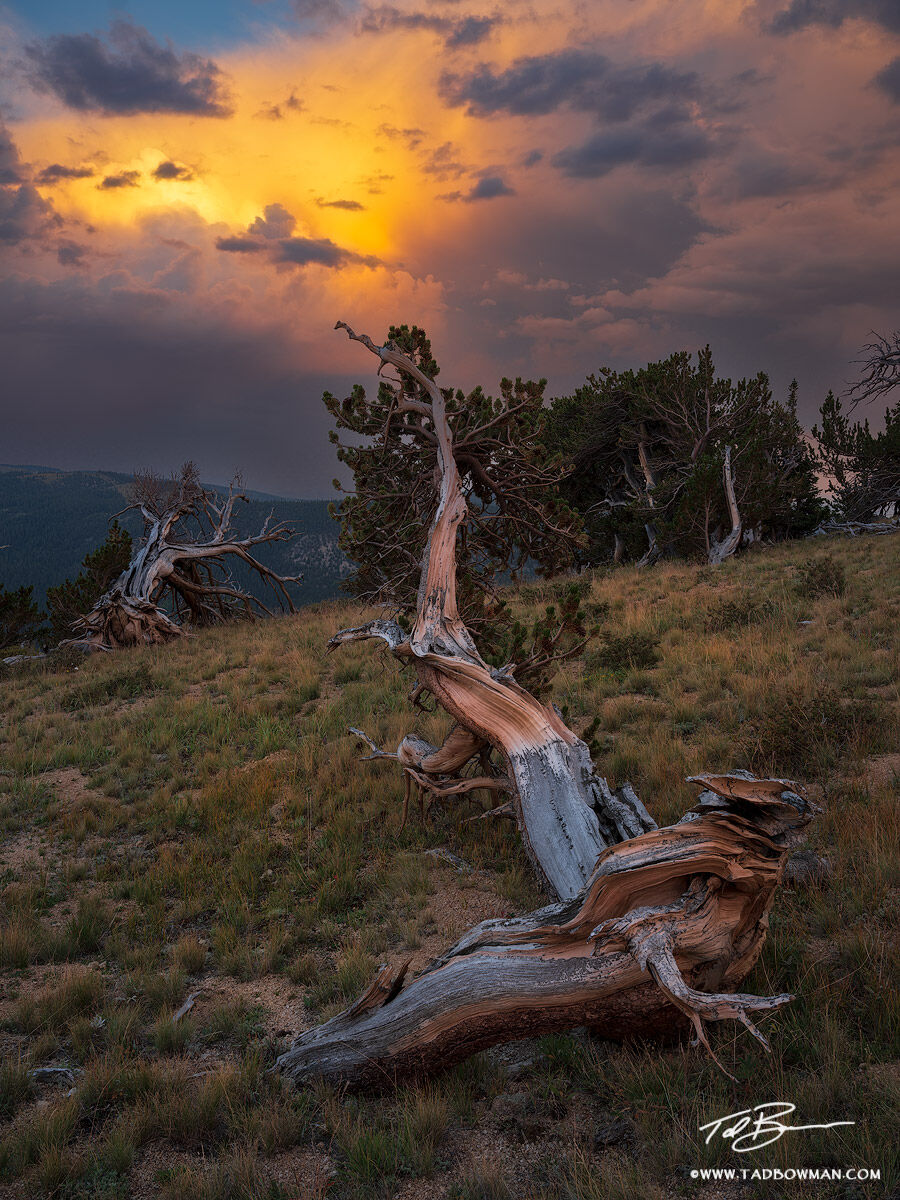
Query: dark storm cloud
833, 13
132, 73
888, 80
24, 213
224, 394
752, 175
56, 171
170, 170
532, 158
239, 245
470, 31
346, 205
124, 179
271, 234
70, 254
644, 146
302, 251
11, 169
456, 31
489, 187
276, 222
580, 79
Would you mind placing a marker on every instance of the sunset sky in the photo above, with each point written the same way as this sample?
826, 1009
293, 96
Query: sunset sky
191, 194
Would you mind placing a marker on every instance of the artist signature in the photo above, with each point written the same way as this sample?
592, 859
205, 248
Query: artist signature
753, 1128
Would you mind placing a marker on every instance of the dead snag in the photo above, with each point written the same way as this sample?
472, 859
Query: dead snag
178, 575
641, 925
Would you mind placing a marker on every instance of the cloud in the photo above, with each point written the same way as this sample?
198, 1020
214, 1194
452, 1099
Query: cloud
24, 213
888, 79
456, 31
168, 170
70, 254
239, 245
646, 147
277, 112
470, 31
326, 10
753, 174
800, 14
11, 169
489, 187
585, 80
133, 73
106, 339
56, 171
124, 179
271, 235
412, 136
301, 251
346, 205
442, 162
276, 222
646, 112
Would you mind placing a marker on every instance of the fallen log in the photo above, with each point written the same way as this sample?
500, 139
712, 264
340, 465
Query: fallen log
669, 924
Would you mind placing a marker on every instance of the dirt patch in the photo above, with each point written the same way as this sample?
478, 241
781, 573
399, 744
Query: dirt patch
22, 853
281, 1001
458, 902
883, 770
69, 785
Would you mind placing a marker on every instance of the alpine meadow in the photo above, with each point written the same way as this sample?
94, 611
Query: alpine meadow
449, 600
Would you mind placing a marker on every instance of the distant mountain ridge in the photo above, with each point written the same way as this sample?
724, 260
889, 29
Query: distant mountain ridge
50, 519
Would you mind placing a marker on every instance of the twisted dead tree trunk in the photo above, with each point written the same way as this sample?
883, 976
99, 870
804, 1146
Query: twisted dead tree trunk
647, 920
720, 550
177, 576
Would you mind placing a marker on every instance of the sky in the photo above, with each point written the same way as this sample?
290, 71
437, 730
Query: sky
192, 194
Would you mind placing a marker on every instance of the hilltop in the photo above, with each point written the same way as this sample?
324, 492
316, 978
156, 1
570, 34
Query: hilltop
189, 828
50, 519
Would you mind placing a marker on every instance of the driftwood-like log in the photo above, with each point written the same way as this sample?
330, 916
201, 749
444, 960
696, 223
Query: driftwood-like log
177, 575
668, 925
648, 921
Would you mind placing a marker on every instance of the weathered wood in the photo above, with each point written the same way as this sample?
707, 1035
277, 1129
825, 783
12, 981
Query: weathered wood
720, 550
664, 917
643, 926
173, 575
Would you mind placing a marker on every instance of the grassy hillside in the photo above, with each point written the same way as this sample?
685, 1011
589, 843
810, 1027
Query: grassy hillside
49, 520
192, 823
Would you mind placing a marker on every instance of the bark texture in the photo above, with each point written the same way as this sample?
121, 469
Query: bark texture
667, 927
178, 577
647, 921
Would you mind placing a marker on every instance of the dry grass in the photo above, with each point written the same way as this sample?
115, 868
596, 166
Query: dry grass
194, 820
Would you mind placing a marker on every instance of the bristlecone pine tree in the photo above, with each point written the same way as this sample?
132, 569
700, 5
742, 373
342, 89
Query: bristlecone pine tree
644, 935
674, 458
514, 514
178, 575
863, 468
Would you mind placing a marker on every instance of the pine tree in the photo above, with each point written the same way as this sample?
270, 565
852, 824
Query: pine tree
73, 598
20, 617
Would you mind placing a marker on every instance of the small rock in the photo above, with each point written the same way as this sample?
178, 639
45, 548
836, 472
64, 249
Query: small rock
613, 1132
805, 868
448, 856
511, 1106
